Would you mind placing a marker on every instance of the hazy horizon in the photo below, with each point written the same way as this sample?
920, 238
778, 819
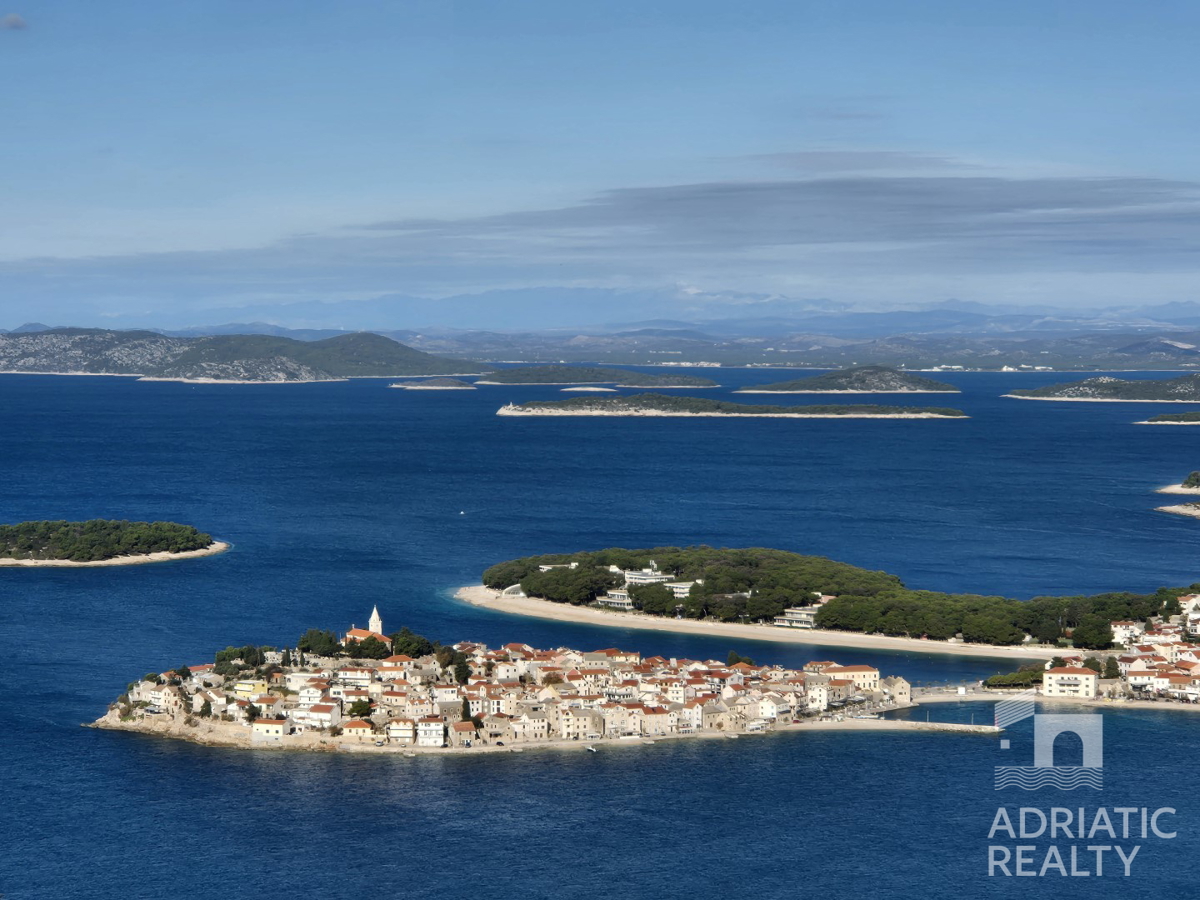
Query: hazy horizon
200, 162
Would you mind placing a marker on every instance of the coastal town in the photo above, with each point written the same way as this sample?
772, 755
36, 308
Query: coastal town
473, 696
468, 696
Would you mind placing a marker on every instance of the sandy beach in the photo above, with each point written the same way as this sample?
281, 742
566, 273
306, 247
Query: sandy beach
478, 595
539, 411
211, 550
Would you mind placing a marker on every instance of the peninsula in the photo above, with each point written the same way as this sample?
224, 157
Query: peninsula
663, 405
102, 542
557, 375
1105, 388
858, 380
1189, 485
435, 384
765, 594
236, 359
1185, 418
403, 693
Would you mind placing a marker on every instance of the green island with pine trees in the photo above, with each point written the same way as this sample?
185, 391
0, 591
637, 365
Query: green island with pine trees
758, 584
96, 540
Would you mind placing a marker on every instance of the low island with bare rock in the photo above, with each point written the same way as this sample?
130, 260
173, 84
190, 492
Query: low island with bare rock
858, 380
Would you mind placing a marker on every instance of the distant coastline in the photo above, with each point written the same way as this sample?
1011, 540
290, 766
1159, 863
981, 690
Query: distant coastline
486, 598
136, 560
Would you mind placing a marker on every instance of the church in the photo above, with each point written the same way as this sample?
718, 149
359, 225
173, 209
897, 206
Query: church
374, 629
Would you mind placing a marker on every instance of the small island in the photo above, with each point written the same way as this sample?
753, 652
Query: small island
369, 692
1189, 485
858, 380
435, 384
558, 375
1191, 508
1185, 418
102, 542
1105, 388
663, 405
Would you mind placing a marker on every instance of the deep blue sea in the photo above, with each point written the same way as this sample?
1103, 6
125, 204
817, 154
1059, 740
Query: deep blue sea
341, 496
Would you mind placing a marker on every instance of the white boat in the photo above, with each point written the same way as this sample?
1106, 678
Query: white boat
590, 749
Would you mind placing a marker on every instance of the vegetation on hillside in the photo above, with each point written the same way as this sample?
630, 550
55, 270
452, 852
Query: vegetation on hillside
592, 375
1192, 481
757, 584
1105, 387
864, 379
97, 539
641, 403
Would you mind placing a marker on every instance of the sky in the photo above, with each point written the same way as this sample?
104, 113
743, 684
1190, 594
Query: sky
191, 163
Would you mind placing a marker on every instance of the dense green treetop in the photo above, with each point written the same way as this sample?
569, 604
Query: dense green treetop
864, 379
757, 584
636, 403
97, 539
592, 375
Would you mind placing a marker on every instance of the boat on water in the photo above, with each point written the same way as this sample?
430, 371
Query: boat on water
590, 749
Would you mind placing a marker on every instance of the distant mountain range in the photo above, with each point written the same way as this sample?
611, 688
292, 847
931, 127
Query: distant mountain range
241, 358
969, 336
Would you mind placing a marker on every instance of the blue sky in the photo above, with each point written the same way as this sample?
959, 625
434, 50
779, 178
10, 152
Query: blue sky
186, 162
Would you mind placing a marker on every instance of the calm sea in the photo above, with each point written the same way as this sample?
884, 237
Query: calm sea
341, 496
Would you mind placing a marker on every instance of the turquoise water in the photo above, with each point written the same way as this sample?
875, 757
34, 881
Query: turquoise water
341, 496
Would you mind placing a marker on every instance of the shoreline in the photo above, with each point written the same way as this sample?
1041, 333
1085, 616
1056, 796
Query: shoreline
615, 385
1177, 489
486, 598
239, 380
1095, 400
141, 559
1148, 422
839, 391
1180, 510
1102, 702
536, 411
211, 733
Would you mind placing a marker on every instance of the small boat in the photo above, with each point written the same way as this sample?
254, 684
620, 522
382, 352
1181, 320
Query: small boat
732, 737
410, 754
590, 749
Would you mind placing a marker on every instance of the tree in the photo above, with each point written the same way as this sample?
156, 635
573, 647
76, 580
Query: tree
652, 598
252, 713
368, 648
466, 710
206, 710
1092, 632
183, 672
462, 670
1057, 662
321, 643
409, 644
1112, 668
1094, 664
734, 658
360, 709
287, 657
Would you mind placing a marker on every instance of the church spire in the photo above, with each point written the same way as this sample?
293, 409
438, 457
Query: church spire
376, 623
